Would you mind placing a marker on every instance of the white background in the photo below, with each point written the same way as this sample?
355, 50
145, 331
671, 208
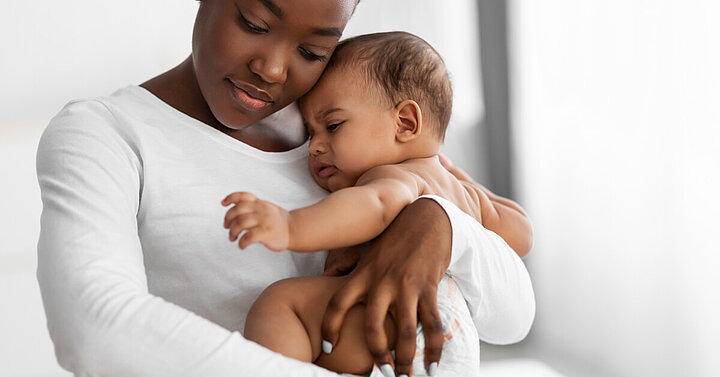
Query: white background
617, 143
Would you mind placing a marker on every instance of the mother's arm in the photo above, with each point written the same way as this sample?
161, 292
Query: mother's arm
101, 317
402, 269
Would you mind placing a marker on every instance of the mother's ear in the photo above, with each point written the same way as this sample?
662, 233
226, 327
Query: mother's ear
408, 124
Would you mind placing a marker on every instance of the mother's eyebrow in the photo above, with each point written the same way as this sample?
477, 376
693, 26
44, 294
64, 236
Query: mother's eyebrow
273, 8
328, 32
278, 12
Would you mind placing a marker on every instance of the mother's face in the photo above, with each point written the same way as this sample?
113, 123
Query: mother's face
254, 57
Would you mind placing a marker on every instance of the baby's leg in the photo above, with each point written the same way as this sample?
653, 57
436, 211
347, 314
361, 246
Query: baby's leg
273, 322
287, 318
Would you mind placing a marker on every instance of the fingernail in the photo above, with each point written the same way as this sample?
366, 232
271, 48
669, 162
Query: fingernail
403, 375
387, 370
327, 347
432, 369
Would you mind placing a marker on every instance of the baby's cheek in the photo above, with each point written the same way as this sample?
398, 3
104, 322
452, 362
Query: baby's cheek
322, 182
339, 182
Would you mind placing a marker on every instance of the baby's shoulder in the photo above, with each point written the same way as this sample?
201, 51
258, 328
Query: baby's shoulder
399, 172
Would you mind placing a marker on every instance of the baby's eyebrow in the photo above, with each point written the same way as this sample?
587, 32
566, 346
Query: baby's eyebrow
323, 114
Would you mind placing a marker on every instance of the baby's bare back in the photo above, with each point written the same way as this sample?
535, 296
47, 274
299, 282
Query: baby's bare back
433, 179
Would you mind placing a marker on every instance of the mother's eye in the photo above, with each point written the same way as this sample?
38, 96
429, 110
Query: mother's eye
251, 26
309, 55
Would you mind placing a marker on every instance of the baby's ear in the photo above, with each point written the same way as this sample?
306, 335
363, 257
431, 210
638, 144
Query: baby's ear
408, 124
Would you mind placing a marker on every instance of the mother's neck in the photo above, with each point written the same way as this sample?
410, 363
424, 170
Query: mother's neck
178, 88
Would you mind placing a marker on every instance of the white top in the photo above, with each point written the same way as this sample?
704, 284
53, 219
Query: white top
137, 275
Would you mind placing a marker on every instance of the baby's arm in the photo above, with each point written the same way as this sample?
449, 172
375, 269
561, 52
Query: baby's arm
344, 218
506, 218
500, 215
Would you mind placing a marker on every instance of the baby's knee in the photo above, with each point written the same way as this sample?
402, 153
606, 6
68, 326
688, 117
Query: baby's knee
273, 323
275, 300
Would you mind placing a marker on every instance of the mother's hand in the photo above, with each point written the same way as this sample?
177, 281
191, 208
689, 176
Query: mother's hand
340, 262
399, 274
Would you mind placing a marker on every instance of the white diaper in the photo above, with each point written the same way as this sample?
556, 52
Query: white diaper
461, 351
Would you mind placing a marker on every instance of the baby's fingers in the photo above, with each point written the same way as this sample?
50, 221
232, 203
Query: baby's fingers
242, 223
237, 197
240, 209
258, 235
250, 237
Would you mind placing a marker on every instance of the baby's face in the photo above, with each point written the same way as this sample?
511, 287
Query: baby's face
351, 132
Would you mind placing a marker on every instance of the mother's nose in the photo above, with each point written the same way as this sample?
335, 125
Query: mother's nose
271, 66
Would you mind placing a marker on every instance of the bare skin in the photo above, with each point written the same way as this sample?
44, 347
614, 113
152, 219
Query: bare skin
295, 307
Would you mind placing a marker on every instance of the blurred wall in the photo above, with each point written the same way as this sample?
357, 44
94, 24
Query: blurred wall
616, 109
55, 51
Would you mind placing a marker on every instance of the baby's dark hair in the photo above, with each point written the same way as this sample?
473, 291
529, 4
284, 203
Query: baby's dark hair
403, 66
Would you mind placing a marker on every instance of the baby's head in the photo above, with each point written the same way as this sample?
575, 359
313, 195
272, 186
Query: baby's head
383, 98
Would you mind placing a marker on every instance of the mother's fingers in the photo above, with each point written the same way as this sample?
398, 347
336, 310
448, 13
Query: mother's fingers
351, 293
376, 310
406, 321
433, 329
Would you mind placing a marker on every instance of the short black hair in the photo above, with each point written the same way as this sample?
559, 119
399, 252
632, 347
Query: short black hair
403, 66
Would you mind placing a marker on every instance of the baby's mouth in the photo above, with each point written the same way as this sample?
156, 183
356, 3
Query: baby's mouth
325, 171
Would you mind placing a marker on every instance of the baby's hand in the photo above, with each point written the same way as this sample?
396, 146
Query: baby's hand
262, 221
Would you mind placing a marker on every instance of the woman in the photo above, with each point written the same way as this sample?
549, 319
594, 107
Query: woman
136, 275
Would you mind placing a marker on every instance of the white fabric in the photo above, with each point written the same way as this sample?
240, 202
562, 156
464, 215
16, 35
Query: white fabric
492, 278
136, 273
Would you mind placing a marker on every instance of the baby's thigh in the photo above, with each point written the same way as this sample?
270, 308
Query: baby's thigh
308, 298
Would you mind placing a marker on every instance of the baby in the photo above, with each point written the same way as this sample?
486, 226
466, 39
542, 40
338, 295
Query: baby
376, 118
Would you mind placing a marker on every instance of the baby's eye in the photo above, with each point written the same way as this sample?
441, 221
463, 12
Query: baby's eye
334, 126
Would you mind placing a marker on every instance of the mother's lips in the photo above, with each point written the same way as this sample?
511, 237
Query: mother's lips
249, 96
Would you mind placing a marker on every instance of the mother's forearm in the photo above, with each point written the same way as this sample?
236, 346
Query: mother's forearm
423, 230
401, 270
